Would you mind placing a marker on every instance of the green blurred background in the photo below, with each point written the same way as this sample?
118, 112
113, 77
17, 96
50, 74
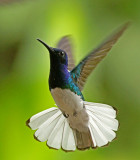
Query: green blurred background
24, 71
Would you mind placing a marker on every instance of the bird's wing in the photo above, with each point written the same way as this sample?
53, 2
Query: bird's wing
66, 45
86, 66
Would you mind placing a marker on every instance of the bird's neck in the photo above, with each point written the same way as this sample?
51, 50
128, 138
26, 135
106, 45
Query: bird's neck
59, 76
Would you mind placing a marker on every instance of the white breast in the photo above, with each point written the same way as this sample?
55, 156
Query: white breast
67, 101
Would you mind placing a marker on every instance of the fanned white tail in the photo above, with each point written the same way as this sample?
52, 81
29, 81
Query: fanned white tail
54, 128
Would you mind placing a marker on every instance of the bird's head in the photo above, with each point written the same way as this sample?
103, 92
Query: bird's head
57, 56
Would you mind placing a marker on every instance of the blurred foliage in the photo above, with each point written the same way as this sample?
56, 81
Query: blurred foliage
24, 70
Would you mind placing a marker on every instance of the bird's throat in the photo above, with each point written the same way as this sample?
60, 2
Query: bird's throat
59, 76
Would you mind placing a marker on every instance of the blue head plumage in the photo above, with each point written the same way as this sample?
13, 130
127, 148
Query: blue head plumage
60, 77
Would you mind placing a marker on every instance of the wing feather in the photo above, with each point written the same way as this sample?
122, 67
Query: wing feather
81, 72
66, 45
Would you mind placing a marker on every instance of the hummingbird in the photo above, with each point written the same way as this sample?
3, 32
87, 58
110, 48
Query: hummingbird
75, 123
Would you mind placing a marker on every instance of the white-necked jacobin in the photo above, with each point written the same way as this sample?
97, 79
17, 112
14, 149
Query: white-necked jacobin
76, 123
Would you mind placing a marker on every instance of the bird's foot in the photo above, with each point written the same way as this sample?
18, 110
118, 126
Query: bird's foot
65, 115
75, 114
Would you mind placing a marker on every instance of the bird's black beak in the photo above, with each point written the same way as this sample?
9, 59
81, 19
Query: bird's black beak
50, 49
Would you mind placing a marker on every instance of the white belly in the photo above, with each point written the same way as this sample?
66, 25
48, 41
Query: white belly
73, 106
67, 101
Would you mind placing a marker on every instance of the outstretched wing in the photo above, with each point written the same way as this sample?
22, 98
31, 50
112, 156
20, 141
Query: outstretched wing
66, 45
86, 66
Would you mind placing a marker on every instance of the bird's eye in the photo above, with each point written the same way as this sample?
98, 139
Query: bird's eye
62, 53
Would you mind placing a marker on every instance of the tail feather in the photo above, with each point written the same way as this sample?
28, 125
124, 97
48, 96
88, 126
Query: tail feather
38, 119
102, 109
102, 123
108, 122
84, 140
94, 145
55, 138
44, 131
54, 128
108, 133
99, 137
68, 142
